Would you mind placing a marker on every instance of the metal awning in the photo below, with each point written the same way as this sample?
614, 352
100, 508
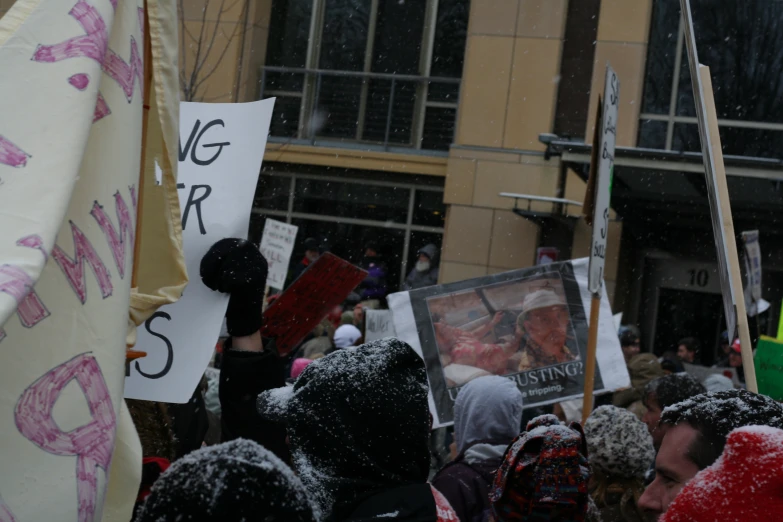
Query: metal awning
655, 190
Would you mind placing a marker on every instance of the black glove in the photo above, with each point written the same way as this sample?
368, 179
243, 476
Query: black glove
235, 266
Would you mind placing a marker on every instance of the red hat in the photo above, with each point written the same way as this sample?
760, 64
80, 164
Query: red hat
736, 347
745, 483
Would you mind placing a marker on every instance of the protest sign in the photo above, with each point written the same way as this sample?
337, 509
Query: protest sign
221, 148
753, 300
277, 245
325, 284
769, 367
378, 324
528, 325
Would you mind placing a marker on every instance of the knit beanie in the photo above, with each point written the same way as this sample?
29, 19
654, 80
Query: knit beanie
744, 484
298, 367
358, 422
619, 444
544, 475
231, 482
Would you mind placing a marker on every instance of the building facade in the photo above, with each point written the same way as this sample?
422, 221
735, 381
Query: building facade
402, 122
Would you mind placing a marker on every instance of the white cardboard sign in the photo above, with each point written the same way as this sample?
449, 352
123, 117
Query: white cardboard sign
277, 245
603, 185
220, 154
378, 324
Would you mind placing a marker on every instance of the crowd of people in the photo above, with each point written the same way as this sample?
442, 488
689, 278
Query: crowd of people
342, 432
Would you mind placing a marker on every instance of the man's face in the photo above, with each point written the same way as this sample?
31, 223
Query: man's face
358, 314
547, 326
673, 469
312, 255
684, 354
651, 418
632, 349
735, 360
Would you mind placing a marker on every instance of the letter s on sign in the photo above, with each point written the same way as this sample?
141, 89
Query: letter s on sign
169, 348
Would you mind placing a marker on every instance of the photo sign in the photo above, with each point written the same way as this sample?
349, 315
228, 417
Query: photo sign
220, 153
528, 325
603, 186
277, 245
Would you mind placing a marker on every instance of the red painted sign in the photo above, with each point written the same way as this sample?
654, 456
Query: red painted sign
324, 284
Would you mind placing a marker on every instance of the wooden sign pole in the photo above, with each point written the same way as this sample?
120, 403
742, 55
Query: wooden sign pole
592, 346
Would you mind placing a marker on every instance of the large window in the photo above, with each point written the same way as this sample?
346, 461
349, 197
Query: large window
742, 43
349, 213
384, 73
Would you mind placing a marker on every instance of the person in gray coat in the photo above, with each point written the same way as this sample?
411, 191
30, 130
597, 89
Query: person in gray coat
426, 271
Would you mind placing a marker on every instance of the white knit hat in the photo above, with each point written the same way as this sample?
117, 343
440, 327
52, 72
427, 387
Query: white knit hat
346, 336
618, 443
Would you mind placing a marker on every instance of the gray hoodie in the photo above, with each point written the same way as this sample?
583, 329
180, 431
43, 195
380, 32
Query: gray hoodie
487, 409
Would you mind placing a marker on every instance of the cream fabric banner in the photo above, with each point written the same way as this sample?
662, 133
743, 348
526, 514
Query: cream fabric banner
70, 139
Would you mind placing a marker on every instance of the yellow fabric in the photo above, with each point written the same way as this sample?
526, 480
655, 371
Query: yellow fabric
161, 272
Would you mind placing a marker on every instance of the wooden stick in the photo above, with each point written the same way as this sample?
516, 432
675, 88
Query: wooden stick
592, 345
144, 124
728, 225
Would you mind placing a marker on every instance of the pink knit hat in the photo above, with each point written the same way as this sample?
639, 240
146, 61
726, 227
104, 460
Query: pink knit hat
298, 367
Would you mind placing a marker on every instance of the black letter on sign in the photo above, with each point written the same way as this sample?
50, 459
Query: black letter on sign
197, 202
184, 153
170, 356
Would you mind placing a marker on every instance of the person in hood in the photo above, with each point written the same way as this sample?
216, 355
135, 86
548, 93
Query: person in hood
696, 436
664, 392
426, 271
358, 427
643, 368
544, 475
313, 250
236, 481
620, 452
487, 417
374, 287
744, 484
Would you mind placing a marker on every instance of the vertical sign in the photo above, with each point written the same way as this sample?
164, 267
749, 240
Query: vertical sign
753, 270
378, 324
603, 187
277, 245
220, 153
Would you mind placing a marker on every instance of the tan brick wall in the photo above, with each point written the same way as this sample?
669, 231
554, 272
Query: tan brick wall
233, 36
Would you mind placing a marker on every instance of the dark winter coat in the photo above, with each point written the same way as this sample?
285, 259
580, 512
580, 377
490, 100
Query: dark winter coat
418, 279
243, 376
298, 270
374, 285
466, 485
412, 503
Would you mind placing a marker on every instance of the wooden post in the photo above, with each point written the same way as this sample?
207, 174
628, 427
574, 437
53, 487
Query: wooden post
592, 348
728, 226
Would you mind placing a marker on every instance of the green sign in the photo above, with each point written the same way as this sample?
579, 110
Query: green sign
769, 367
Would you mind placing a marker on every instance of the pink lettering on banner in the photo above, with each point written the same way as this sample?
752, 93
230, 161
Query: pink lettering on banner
5, 511
15, 282
134, 199
34, 241
116, 239
94, 44
73, 268
91, 443
91, 45
12, 155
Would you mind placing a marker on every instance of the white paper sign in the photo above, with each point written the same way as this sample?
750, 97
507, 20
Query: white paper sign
603, 184
277, 245
221, 149
379, 324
